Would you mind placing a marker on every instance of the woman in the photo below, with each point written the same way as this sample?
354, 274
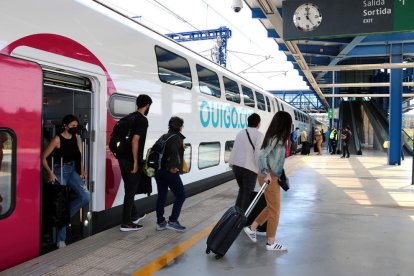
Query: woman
66, 152
271, 161
169, 176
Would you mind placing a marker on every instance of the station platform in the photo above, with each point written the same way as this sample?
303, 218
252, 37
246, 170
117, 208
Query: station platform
342, 216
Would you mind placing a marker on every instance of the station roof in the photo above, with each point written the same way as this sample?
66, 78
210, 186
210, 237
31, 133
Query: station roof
362, 61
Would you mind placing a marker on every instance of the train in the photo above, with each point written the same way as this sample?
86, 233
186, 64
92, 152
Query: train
81, 57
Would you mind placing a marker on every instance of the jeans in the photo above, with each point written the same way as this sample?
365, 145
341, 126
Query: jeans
166, 180
246, 179
131, 181
72, 179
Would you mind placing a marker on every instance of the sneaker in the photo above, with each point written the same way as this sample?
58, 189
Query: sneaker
130, 227
276, 247
161, 226
61, 244
137, 220
251, 234
175, 225
261, 233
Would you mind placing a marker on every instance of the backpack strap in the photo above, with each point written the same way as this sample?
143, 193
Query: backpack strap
250, 140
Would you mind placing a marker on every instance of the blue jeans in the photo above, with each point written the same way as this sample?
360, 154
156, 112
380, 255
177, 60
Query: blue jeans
166, 180
75, 183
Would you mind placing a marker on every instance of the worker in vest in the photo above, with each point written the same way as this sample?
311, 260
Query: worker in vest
333, 137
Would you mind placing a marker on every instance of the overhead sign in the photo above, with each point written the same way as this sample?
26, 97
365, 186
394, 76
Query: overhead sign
305, 19
330, 113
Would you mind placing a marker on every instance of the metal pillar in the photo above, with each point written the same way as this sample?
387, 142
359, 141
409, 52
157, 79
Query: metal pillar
396, 88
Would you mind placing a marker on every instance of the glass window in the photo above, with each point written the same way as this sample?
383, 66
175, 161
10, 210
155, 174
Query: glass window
121, 105
227, 150
268, 104
232, 90
208, 155
277, 103
248, 96
296, 114
187, 155
261, 104
283, 108
173, 69
7, 172
209, 81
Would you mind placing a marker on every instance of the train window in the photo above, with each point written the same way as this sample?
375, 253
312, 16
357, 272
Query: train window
248, 96
281, 105
227, 150
232, 90
208, 155
209, 81
277, 103
274, 105
173, 69
121, 105
296, 114
187, 155
268, 104
7, 172
261, 104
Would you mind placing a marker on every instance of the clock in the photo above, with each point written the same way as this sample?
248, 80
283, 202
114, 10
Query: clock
307, 17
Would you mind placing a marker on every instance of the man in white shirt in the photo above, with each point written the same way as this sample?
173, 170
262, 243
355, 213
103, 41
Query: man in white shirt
244, 159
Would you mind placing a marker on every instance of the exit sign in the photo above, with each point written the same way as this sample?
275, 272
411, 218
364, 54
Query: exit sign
341, 18
330, 113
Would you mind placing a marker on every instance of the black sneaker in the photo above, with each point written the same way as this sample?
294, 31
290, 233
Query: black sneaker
130, 227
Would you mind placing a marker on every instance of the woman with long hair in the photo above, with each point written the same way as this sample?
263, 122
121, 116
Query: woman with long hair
271, 162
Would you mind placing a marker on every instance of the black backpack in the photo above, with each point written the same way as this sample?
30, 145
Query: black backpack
153, 160
121, 137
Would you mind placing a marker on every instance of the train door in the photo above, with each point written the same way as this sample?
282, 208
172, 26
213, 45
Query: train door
20, 136
67, 93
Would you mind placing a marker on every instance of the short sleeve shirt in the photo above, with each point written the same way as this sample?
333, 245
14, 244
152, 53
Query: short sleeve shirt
140, 127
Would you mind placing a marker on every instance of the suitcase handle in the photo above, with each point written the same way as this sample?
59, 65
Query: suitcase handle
256, 198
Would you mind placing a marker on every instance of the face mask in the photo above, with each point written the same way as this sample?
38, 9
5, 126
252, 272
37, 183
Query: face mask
73, 130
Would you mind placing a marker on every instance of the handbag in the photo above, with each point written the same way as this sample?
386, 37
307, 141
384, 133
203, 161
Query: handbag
185, 167
283, 181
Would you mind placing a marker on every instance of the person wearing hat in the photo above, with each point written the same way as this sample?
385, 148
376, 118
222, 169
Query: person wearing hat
169, 177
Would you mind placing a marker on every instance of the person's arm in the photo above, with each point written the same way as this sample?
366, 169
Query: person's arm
135, 146
263, 164
49, 149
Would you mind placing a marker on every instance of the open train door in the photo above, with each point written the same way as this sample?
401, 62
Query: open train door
20, 141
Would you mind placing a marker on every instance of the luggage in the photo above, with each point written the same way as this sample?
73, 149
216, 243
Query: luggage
56, 204
261, 204
229, 226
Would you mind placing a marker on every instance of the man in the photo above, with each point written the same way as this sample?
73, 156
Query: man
131, 166
244, 159
346, 139
295, 136
333, 137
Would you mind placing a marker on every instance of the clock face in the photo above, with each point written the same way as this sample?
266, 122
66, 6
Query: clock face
307, 17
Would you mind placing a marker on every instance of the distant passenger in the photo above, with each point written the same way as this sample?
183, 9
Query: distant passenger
169, 177
346, 139
295, 138
271, 162
318, 140
333, 137
304, 141
66, 151
243, 160
131, 166
327, 139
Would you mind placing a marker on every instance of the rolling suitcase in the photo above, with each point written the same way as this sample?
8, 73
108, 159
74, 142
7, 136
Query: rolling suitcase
229, 226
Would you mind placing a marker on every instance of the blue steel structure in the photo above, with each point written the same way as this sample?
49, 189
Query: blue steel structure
221, 34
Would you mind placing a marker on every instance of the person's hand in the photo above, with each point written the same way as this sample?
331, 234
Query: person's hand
268, 178
52, 178
83, 175
135, 168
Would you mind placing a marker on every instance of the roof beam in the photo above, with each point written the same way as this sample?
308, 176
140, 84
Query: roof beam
361, 67
405, 95
362, 84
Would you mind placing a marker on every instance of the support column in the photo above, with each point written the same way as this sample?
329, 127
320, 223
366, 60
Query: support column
395, 121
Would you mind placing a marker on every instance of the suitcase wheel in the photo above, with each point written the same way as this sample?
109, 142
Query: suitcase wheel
218, 256
208, 250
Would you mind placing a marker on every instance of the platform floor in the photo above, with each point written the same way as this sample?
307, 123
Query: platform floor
341, 217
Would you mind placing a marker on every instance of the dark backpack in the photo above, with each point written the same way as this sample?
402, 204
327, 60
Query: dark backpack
121, 137
153, 160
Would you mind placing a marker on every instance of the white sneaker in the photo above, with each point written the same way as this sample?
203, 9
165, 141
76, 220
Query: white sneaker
251, 234
61, 244
276, 247
140, 218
